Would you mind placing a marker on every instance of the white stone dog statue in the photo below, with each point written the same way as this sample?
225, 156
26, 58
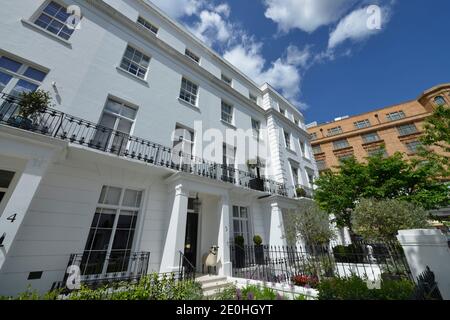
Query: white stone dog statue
210, 259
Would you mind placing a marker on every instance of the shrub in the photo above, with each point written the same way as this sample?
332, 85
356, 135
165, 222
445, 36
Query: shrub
257, 240
33, 103
355, 288
239, 240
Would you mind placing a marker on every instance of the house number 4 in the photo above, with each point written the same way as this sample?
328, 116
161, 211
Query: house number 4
12, 218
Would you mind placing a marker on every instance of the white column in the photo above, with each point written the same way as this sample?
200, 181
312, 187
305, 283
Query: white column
12, 217
428, 247
223, 257
277, 234
176, 232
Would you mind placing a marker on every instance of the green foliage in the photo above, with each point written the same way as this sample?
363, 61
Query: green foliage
308, 222
153, 287
380, 220
227, 293
31, 294
257, 240
380, 178
34, 102
437, 134
301, 193
252, 292
355, 288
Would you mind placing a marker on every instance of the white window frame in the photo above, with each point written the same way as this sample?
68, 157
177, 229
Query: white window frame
191, 55
19, 74
189, 94
139, 66
147, 25
225, 116
287, 140
35, 17
118, 208
248, 237
256, 129
8, 190
317, 149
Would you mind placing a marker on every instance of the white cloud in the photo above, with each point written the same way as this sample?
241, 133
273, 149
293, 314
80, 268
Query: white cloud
212, 26
179, 8
307, 15
354, 27
283, 74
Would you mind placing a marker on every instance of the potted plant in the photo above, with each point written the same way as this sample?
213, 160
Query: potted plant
259, 250
301, 193
239, 251
31, 104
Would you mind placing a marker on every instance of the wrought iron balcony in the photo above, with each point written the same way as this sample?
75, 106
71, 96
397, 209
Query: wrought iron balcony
75, 130
100, 268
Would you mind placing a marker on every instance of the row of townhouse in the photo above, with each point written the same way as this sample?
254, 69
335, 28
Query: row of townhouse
116, 171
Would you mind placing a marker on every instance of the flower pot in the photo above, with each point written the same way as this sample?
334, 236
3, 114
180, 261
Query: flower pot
256, 184
259, 254
21, 122
239, 256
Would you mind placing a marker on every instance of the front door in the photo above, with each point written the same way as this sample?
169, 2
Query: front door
190, 244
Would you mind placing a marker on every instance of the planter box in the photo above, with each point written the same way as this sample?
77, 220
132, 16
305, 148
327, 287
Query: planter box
256, 184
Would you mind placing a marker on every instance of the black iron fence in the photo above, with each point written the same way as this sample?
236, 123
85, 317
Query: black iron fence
294, 264
97, 270
186, 269
88, 134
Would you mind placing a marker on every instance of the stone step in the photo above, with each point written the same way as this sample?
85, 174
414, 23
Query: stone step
208, 279
213, 289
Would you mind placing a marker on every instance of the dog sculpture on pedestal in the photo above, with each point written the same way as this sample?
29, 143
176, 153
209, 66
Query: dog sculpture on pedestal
210, 259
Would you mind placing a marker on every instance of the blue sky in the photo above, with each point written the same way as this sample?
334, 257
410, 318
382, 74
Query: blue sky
321, 55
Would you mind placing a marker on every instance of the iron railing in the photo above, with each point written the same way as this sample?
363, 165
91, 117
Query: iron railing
282, 264
107, 268
186, 269
75, 130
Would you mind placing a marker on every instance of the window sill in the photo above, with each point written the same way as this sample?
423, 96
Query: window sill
228, 124
190, 105
291, 151
31, 25
132, 76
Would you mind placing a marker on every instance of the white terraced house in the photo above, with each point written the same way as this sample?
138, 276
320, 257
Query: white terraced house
114, 177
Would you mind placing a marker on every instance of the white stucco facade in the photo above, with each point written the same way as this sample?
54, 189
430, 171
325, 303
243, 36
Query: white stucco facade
56, 184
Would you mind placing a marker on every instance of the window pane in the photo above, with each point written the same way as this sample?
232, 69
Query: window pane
9, 64
125, 222
112, 196
101, 239
23, 86
243, 212
121, 239
35, 74
236, 212
4, 80
131, 198
128, 112
5, 178
106, 221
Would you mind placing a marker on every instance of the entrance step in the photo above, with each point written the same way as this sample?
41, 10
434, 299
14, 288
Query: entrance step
211, 285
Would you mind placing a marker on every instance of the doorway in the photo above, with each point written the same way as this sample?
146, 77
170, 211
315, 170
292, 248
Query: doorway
191, 238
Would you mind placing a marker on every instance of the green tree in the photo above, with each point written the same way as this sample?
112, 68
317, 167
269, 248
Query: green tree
380, 178
309, 223
437, 135
380, 220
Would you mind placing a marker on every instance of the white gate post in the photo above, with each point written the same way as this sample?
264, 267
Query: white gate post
428, 247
